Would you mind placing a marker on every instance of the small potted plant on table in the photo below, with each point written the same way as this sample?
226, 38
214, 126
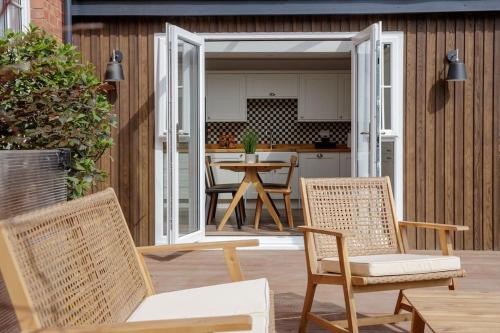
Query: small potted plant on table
249, 141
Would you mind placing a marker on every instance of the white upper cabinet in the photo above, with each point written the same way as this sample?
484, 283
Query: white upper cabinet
324, 97
272, 86
226, 97
344, 97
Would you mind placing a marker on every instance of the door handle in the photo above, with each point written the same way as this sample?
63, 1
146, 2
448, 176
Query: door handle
364, 133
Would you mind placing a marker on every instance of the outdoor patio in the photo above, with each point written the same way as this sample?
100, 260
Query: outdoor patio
287, 277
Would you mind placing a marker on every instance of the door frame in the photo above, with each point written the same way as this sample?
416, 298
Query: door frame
268, 242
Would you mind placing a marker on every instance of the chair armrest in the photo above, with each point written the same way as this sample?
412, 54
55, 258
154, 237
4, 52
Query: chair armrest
192, 325
160, 249
324, 231
444, 230
229, 247
436, 226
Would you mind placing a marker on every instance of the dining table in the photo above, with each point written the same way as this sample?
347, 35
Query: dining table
251, 177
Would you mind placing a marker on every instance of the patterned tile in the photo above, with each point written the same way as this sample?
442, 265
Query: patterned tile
277, 119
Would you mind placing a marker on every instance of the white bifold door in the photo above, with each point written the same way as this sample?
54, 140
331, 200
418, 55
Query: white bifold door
366, 102
179, 147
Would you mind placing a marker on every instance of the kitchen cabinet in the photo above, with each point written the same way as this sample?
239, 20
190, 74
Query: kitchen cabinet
344, 97
319, 165
344, 164
222, 176
272, 86
226, 98
324, 97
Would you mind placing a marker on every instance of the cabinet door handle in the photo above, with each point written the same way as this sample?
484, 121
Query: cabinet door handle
272, 94
319, 155
364, 133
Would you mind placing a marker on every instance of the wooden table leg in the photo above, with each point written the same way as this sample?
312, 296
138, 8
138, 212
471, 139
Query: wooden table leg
265, 198
236, 199
417, 324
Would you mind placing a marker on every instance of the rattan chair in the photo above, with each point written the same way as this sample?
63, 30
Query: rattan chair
353, 239
74, 268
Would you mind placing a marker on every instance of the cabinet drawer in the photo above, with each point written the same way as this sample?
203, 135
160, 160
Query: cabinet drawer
319, 165
272, 86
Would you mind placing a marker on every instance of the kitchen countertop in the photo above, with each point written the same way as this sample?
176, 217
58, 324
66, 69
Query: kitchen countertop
299, 148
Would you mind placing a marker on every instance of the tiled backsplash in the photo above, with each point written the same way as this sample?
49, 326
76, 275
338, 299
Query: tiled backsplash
278, 118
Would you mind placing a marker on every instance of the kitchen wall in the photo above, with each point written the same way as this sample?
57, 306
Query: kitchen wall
277, 118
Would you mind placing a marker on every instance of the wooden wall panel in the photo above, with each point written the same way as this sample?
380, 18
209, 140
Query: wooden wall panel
452, 139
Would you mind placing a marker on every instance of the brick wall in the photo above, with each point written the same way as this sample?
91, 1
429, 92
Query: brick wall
48, 14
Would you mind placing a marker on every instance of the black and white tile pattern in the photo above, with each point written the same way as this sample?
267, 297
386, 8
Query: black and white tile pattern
276, 120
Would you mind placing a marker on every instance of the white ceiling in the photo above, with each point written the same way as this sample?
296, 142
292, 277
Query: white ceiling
277, 49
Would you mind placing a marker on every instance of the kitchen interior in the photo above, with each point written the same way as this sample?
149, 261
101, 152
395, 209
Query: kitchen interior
296, 95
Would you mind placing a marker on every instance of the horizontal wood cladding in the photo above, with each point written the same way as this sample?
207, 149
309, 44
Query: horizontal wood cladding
452, 130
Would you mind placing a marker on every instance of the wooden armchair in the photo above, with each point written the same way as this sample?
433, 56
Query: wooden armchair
74, 268
353, 239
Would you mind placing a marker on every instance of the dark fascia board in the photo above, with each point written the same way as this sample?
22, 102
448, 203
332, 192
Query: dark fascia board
272, 7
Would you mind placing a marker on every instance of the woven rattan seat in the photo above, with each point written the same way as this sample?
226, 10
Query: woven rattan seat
75, 265
346, 217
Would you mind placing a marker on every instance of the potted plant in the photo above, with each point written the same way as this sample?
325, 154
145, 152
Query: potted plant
249, 141
49, 99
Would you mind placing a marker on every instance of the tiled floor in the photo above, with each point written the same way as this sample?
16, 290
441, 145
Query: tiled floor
286, 273
267, 227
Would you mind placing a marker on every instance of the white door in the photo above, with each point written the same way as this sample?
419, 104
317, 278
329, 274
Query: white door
366, 102
180, 104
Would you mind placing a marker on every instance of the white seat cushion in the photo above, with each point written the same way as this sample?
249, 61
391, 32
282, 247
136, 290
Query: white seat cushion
239, 298
394, 264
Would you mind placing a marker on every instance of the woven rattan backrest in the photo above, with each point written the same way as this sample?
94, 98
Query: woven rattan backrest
76, 263
361, 205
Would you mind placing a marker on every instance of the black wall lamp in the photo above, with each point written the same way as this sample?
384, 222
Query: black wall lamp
114, 70
456, 69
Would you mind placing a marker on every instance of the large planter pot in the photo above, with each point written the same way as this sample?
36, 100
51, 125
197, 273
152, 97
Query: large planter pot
251, 158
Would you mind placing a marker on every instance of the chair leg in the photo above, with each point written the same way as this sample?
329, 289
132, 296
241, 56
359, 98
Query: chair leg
452, 285
216, 200
237, 212
397, 309
241, 208
288, 206
212, 207
258, 212
350, 307
308, 301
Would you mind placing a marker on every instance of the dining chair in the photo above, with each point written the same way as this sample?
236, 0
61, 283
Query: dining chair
213, 190
285, 189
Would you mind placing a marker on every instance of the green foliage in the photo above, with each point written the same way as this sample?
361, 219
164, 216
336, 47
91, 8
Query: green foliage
50, 100
249, 140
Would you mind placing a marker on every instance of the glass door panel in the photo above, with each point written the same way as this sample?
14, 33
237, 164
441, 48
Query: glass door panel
366, 102
183, 147
188, 166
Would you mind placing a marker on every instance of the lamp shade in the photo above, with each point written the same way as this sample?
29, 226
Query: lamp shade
457, 71
114, 72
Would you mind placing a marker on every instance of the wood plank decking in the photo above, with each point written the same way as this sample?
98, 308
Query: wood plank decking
286, 272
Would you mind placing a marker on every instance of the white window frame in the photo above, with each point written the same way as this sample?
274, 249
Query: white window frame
396, 132
25, 13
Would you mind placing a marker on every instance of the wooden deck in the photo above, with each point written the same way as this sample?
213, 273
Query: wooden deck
286, 273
